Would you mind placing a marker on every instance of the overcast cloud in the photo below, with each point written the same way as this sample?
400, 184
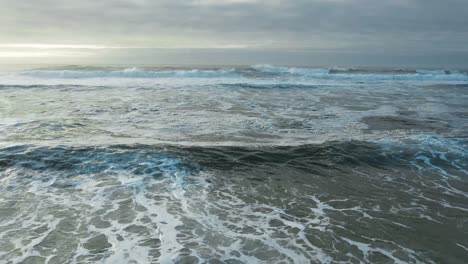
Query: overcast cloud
317, 25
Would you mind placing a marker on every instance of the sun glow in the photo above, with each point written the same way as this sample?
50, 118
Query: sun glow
41, 54
42, 50
14, 50
52, 46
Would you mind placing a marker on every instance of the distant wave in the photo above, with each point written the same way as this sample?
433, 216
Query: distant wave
256, 75
365, 74
130, 73
291, 70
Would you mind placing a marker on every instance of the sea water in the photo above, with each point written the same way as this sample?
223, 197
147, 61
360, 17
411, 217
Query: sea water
252, 164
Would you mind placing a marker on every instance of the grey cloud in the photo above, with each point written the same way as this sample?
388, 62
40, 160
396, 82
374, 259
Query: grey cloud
315, 24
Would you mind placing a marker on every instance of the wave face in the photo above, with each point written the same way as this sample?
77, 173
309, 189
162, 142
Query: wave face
258, 164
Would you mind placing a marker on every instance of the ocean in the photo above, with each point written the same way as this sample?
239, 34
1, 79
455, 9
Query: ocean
251, 164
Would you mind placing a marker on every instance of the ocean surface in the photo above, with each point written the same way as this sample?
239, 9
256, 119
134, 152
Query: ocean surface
253, 164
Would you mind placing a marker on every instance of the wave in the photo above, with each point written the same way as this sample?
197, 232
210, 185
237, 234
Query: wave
365, 74
155, 160
257, 75
130, 73
290, 70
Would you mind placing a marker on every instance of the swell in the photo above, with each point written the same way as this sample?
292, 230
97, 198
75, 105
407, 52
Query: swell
339, 155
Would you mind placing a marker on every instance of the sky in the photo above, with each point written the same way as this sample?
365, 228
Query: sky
304, 32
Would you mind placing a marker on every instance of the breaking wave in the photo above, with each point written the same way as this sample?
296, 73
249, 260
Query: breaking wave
258, 75
367, 74
131, 73
248, 72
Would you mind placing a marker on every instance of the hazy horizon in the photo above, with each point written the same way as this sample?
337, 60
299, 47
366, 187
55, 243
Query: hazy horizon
194, 58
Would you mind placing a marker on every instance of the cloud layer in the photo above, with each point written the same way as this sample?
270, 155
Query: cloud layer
343, 25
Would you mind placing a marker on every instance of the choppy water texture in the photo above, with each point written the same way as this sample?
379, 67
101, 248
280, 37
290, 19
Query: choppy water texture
256, 164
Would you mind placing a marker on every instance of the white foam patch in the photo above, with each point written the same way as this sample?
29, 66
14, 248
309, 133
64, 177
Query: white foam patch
111, 202
439, 164
465, 248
